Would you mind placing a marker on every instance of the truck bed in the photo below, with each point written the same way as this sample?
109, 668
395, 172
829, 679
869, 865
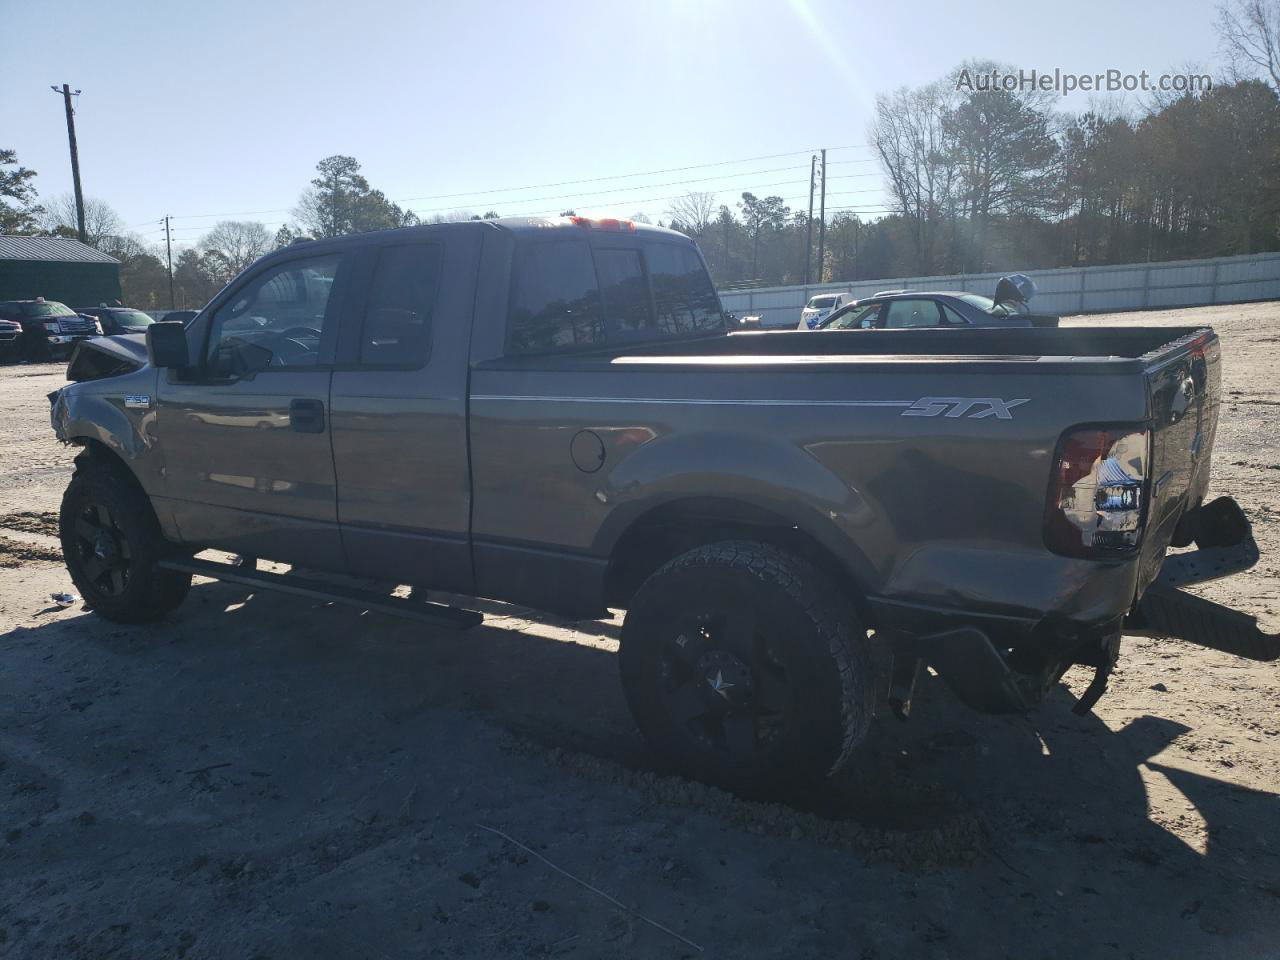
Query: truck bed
868, 431
1112, 349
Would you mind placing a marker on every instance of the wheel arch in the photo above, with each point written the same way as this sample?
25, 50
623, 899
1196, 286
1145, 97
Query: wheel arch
95, 452
668, 529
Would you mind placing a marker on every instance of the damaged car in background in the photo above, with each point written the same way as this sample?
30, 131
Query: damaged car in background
912, 309
559, 419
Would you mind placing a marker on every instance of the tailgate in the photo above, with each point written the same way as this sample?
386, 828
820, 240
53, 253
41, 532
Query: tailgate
1184, 390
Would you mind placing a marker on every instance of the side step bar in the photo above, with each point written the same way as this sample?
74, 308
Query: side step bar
436, 614
1165, 611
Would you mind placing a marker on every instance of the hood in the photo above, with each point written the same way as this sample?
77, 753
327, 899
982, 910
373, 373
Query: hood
107, 357
1015, 288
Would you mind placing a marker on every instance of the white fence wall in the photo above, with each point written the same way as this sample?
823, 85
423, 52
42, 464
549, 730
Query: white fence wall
1137, 286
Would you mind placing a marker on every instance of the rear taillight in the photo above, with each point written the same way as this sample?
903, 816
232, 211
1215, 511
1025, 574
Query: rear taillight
1097, 493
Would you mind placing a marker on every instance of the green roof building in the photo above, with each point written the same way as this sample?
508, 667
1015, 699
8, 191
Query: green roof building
57, 269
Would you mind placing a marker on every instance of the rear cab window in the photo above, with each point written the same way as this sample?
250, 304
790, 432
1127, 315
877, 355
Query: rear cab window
570, 293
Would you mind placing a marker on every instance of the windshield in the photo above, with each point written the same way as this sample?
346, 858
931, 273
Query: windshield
851, 318
131, 318
821, 303
50, 308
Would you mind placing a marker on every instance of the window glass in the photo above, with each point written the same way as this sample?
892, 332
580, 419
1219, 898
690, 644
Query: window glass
985, 304
908, 314
555, 300
276, 321
822, 303
853, 318
397, 321
624, 291
952, 316
50, 308
682, 291
131, 318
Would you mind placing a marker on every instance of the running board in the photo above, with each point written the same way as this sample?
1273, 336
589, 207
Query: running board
1167, 612
436, 614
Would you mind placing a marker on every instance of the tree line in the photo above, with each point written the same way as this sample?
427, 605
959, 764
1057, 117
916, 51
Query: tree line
977, 179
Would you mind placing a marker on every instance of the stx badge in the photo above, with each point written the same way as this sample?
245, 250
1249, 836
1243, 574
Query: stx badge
974, 407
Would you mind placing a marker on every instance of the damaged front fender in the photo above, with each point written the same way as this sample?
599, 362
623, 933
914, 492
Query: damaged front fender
117, 411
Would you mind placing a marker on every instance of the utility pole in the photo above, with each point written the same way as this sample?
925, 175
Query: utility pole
822, 220
168, 249
808, 226
67, 94
856, 223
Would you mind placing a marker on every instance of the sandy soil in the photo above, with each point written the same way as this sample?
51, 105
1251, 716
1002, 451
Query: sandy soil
268, 777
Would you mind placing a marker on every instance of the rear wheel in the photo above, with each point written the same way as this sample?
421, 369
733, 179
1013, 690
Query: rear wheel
744, 665
112, 546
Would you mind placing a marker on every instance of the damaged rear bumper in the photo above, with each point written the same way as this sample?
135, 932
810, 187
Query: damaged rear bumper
992, 676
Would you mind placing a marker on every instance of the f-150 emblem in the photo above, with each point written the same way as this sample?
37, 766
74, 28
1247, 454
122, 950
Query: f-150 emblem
974, 407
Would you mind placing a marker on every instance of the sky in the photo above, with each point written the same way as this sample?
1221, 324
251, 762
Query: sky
220, 110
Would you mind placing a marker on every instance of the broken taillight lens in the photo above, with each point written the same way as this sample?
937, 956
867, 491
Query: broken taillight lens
1097, 493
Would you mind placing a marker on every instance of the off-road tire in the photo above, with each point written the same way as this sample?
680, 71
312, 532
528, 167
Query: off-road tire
148, 592
812, 637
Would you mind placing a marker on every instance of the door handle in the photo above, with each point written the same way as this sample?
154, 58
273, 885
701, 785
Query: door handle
306, 416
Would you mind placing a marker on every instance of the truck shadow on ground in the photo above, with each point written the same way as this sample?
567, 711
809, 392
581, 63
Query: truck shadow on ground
1060, 802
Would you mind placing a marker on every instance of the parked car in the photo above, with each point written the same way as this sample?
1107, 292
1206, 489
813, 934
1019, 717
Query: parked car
820, 307
116, 320
910, 309
179, 316
550, 413
49, 328
10, 340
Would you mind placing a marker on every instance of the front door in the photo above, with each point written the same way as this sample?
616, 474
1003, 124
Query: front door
248, 458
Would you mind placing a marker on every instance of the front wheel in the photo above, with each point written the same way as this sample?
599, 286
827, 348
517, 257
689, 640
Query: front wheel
744, 665
112, 546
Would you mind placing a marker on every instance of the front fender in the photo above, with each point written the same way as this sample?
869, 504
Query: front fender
119, 413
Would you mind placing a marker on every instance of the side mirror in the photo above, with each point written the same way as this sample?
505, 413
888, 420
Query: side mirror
167, 345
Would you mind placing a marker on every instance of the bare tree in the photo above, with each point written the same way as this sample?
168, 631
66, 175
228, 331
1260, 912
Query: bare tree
1249, 31
101, 222
694, 211
910, 137
234, 244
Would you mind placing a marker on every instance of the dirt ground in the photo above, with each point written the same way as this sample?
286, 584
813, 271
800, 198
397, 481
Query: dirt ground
268, 777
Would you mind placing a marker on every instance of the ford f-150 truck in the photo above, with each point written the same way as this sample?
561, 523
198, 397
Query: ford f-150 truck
552, 413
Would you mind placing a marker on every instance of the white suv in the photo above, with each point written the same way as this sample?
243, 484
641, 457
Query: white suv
820, 307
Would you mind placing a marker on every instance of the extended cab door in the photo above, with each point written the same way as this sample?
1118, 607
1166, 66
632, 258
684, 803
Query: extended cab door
399, 411
245, 434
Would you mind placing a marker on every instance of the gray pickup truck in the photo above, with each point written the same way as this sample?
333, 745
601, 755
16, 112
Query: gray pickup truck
551, 413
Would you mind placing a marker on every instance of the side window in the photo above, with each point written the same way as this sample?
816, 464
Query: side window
908, 314
276, 321
555, 300
952, 317
624, 291
854, 318
682, 291
397, 320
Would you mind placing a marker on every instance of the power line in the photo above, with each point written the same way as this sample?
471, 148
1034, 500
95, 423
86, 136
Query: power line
626, 176
626, 200
619, 176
